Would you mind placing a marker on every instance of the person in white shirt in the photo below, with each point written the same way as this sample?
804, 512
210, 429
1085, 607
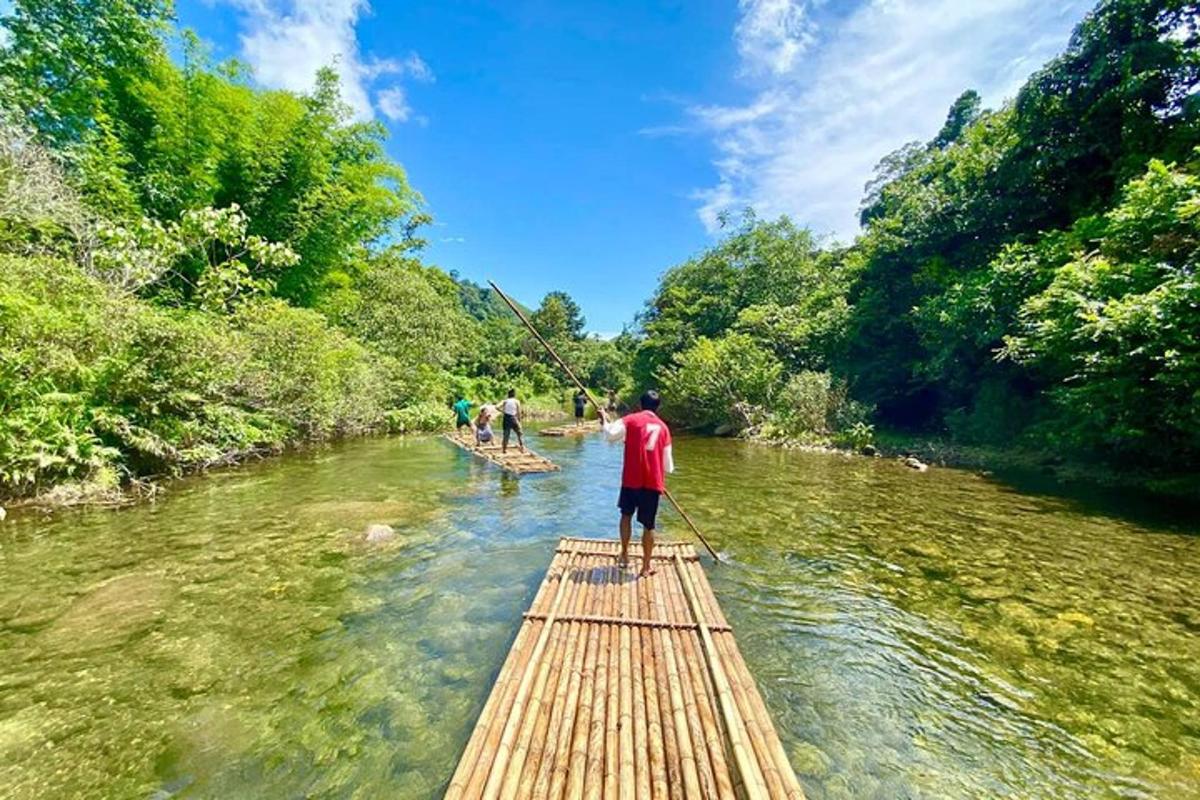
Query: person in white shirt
511, 408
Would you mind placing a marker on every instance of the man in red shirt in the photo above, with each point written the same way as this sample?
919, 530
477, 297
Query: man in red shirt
647, 459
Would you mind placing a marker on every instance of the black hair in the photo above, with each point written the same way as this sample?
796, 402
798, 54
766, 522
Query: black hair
512, 392
650, 400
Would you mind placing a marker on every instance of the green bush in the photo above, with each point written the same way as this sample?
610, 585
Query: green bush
316, 379
426, 417
94, 381
815, 407
1116, 333
709, 382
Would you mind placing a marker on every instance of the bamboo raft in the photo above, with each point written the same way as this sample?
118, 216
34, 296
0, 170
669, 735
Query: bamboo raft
515, 461
618, 687
571, 430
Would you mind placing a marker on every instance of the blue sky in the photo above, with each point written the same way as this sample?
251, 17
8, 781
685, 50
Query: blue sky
588, 146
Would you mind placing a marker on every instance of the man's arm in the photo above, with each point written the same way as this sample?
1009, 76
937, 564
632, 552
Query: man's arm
614, 431
668, 460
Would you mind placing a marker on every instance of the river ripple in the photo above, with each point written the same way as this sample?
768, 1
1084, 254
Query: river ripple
916, 635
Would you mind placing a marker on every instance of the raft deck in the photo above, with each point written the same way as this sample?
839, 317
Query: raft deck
619, 687
572, 430
515, 461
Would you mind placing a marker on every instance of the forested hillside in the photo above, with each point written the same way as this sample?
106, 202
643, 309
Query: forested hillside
193, 269
1028, 276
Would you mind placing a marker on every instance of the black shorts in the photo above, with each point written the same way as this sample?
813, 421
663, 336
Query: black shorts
511, 423
642, 501
579, 412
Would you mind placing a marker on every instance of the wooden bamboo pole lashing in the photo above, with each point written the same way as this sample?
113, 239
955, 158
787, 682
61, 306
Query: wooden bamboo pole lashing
563, 715
622, 689
596, 404
504, 747
749, 768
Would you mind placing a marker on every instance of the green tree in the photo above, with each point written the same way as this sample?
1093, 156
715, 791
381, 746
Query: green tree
68, 64
965, 111
559, 317
1116, 332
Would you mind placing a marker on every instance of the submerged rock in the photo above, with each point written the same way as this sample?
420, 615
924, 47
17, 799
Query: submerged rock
379, 533
110, 613
808, 759
869, 450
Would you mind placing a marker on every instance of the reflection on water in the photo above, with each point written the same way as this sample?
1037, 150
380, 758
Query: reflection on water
915, 635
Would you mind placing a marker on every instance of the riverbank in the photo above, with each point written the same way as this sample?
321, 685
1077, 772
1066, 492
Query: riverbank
106, 491
1025, 465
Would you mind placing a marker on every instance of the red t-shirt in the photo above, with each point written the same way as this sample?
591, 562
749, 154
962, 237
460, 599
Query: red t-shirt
646, 439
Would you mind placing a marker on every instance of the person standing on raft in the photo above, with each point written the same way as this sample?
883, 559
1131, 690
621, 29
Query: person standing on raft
580, 406
512, 420
647, 460
462, 413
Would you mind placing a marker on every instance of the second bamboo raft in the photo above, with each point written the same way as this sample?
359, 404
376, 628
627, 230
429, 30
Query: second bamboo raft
515, 460
572, 430
619, 687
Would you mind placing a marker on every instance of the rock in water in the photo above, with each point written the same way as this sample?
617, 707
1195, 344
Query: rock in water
912, 462
110, 613
379, 533
3, 513
869, 450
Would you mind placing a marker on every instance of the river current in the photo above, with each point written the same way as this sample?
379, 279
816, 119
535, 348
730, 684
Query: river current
915, 635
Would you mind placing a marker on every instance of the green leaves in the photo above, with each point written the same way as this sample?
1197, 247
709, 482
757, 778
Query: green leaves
1116, 331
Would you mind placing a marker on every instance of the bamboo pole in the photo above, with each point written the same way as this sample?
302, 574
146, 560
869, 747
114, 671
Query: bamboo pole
656, 734
598, 732
693, 699
709, 732
596, 404
614, 730
467, 778
767, 742
537, 782
640, 752
533, 712
751, 773
683, 740
626, 724
503, 749
576, 768
552, 776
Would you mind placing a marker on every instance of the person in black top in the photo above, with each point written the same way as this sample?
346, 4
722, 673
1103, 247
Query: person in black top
580, 405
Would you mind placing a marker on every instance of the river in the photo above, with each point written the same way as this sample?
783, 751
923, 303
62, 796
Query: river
915, 635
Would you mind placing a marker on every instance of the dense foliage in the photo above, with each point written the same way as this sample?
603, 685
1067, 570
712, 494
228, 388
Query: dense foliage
1027, 275
193, 269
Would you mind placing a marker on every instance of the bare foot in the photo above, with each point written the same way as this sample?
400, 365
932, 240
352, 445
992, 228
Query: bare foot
647, 572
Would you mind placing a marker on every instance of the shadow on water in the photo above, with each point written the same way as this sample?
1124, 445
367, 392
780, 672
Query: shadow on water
915, 635
1147, 510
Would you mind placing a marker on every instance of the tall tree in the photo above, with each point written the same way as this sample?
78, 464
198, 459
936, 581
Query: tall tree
67, 61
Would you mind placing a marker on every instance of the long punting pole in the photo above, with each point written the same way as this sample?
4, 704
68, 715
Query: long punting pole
549, 349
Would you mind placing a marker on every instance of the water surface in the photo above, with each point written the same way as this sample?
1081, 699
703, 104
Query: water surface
935, 635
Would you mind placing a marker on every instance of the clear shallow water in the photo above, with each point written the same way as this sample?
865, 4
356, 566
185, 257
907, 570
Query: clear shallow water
915, 635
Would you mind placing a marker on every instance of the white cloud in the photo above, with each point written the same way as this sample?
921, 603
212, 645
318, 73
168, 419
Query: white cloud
287, 41
821, 115
772, 34
393, 104
416, 68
